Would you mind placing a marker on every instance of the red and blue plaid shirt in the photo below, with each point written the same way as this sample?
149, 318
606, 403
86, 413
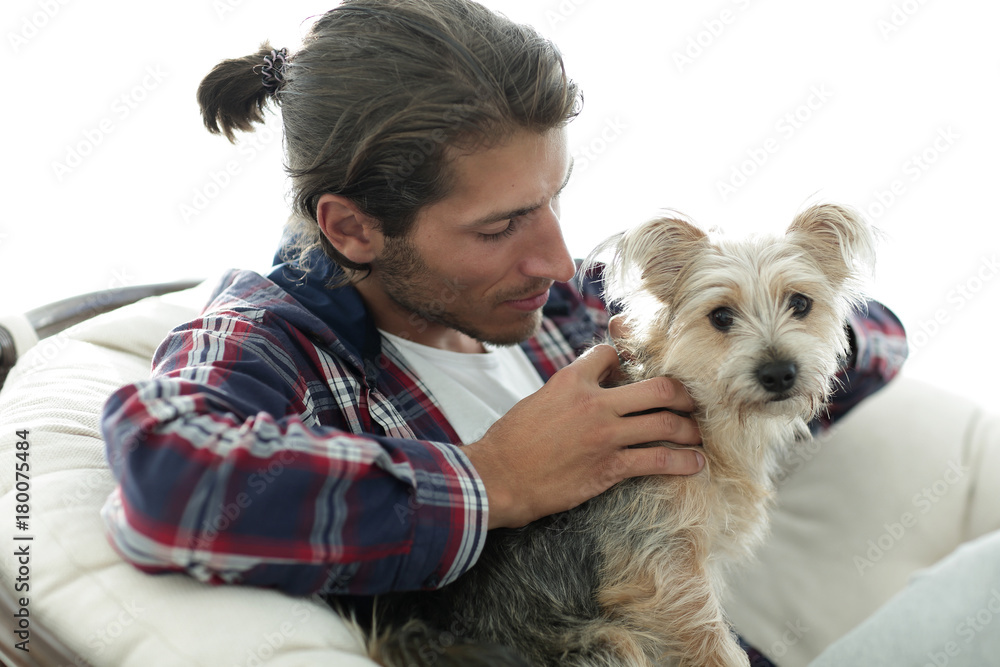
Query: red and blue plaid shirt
281, 443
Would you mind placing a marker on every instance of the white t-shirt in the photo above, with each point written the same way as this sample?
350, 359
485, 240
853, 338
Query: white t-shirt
473, 390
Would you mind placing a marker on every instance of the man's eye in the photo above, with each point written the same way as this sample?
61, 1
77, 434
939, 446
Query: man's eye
505, 232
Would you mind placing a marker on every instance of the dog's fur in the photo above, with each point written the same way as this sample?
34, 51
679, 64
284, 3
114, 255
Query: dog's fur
634, 576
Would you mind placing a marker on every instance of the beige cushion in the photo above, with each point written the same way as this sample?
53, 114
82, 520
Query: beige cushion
904, 479
806, 590
106, 611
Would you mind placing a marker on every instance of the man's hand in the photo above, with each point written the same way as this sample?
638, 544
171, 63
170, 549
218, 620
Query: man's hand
619, 332
568, 442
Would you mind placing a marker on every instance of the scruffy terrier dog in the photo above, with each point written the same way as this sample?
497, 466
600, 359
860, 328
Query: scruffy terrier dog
755, 330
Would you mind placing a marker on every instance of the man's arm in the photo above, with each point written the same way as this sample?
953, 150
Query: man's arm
878, 350
223, 475
220, 476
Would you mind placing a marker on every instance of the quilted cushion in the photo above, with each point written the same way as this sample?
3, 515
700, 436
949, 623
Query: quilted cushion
103, 609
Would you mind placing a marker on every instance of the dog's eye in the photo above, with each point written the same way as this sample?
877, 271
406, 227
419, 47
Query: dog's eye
800, 305
722, 318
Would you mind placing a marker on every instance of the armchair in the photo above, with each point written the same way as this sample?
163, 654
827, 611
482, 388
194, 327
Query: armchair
839, 546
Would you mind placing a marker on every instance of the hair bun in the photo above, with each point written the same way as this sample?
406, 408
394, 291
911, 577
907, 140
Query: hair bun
273, 70
232, 96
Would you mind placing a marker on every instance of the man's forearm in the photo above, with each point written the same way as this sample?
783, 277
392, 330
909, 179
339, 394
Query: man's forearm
274, 503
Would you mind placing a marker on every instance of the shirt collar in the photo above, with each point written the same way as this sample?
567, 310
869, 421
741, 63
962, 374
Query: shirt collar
341, 309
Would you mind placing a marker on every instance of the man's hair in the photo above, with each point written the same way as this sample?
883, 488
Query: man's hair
377, 94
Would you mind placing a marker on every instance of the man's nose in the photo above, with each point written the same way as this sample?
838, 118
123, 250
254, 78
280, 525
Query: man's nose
548, 256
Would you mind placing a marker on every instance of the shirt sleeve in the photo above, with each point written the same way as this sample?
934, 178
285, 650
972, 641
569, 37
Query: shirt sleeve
224, 474
878, 350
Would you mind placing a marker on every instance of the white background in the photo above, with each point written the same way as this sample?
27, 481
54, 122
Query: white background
104, 149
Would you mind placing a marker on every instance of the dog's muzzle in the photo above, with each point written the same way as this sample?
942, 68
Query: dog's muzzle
777, 377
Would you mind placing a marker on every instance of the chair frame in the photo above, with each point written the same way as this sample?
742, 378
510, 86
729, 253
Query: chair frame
56, 317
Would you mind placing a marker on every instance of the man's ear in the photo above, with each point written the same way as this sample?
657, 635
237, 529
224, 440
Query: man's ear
354, 234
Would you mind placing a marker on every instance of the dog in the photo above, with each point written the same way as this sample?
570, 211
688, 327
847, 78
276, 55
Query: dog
756, 331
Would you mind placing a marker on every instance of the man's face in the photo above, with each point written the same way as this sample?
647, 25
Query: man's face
481, 261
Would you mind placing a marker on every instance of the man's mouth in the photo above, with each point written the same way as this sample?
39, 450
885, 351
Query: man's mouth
532, 302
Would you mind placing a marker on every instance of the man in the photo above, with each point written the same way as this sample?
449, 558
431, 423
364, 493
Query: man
414, 372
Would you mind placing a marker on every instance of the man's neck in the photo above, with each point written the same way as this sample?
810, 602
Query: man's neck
389, 316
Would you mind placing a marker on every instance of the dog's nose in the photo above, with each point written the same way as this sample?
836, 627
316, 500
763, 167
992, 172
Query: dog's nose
777, 376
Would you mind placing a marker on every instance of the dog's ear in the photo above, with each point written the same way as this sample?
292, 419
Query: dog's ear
838, 240
652, 256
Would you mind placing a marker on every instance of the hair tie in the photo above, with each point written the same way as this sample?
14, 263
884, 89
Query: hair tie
273, 71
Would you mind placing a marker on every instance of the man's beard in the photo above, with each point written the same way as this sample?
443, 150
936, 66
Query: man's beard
409, 283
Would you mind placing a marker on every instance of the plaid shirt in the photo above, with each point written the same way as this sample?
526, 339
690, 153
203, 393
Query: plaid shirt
282, 443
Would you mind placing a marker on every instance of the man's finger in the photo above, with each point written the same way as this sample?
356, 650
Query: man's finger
659, 392
659, 426
597, 363
663, 461
617, 328
619, 332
